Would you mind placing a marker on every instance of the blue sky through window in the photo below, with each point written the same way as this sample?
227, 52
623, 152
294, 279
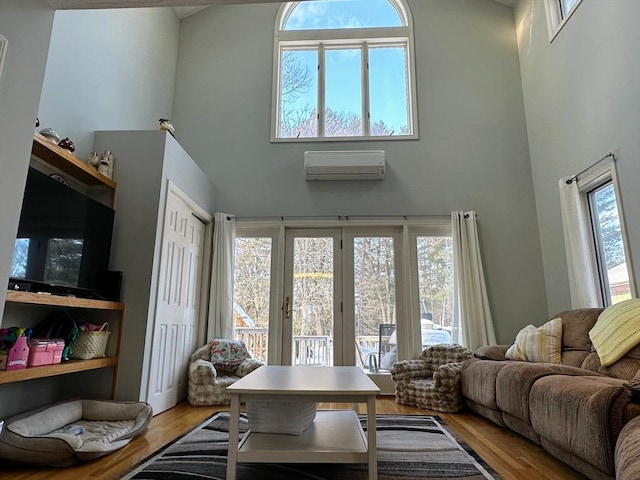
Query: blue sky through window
324, 14
386, 76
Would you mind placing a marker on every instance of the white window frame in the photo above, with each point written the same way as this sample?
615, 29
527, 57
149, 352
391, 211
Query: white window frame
555, 20
404, 231
587, 183
363, 38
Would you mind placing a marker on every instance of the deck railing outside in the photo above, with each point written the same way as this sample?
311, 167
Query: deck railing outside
308, 349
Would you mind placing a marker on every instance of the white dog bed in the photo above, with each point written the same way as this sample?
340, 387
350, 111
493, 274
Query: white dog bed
69, 432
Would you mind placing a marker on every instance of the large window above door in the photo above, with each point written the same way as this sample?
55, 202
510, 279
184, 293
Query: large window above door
343, 70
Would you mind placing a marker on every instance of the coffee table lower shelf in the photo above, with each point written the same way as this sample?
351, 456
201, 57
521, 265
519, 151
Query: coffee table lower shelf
335, 436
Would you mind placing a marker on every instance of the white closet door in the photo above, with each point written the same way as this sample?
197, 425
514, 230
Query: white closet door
171, 335
191, 311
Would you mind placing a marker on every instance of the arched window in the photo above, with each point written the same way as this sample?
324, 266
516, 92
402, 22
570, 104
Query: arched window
343, 70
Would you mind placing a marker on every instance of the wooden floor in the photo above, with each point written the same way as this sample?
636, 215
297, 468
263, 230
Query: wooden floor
511, 455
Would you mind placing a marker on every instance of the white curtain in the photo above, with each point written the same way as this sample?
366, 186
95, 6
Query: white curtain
583, 276
220, 323
473, 313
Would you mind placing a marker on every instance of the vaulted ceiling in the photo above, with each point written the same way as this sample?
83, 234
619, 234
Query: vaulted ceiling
184, 8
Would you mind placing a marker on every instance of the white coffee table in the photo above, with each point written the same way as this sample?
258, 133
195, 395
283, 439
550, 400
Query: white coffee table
335, 436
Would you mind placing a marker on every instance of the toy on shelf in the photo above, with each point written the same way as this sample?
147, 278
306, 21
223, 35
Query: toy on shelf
14, 351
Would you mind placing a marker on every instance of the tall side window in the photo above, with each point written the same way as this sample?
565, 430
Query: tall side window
613, 272
343, 70
595, 240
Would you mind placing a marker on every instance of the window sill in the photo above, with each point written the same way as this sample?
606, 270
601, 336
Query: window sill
344, 139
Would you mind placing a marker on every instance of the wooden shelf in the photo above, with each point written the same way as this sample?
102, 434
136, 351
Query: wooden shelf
71, 366
61, 301
68, 163
65, 162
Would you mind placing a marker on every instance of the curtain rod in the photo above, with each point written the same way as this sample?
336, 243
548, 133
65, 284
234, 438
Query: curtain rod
570, 180
336, 217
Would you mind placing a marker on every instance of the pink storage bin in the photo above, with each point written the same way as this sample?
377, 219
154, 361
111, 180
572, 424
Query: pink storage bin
57, 345
18, 354
44, 351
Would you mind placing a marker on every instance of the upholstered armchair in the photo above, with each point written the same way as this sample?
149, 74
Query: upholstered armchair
433, 380
208, 382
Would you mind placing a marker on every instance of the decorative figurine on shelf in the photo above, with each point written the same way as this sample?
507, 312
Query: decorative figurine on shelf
50, 134
93, 160
105, 166
67, 144
165, 124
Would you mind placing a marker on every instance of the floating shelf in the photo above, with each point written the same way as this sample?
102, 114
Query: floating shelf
61, 301
71, 366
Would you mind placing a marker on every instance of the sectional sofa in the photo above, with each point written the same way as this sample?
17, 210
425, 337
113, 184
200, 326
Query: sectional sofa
576, 408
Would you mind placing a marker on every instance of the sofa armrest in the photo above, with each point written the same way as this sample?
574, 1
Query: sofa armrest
628, 451
492, 352
202, 372
407, 370
247, 366
447, 376
202, 353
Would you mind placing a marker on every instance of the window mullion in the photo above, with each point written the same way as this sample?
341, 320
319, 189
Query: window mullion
366, 110
321, 90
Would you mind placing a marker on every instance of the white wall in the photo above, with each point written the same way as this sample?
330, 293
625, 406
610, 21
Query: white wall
147, 160
109, 70
472, 152
27, 26
582, 98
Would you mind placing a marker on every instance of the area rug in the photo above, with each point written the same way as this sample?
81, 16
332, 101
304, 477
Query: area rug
410, 447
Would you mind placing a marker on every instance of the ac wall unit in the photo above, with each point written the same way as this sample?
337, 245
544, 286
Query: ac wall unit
347, 165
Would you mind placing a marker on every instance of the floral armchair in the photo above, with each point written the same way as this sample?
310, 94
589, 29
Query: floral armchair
433, 380
215, 366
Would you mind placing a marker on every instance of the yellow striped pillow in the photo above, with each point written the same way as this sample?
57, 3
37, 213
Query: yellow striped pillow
616, 331
542, 344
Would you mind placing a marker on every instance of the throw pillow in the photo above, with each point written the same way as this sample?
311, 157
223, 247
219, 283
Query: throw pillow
616, 331
227, 354
543, 344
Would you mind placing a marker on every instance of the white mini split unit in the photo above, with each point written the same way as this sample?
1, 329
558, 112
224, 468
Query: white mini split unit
347, 165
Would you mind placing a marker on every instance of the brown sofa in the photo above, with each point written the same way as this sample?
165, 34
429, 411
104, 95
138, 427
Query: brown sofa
575, 410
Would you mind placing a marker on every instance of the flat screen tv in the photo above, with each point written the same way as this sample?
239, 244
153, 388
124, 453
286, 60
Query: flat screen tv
64, 237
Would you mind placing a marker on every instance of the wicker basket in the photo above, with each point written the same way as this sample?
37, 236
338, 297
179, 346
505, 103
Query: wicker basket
91, 344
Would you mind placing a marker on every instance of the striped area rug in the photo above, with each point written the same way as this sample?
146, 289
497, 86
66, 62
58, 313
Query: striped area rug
410, 447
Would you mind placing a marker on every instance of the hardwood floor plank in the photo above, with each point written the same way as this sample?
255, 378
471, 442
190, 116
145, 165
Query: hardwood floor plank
511, 455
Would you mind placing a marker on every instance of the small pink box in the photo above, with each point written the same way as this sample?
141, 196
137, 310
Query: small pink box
18, 354
44, 351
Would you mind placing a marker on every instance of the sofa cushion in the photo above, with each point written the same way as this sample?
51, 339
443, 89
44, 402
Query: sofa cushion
625, 368
617, 330
515, 381
492, 352
542, 344
478, 380
576, 344
578, 414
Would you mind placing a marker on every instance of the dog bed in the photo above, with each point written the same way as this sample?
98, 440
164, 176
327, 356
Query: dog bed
70, 432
